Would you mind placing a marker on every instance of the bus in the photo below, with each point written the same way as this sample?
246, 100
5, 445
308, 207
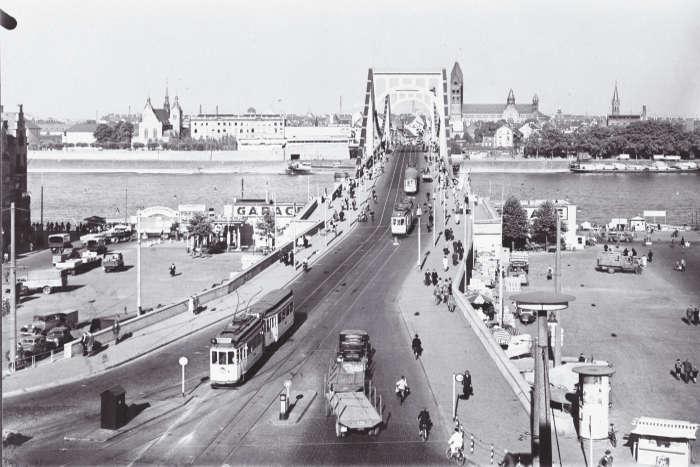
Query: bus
59, 241
236, 349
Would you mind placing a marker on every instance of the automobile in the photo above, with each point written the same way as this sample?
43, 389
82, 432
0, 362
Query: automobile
33, 344
525, 316
59, 336
113, 261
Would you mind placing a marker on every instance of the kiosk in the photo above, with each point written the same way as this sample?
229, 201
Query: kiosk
594, 400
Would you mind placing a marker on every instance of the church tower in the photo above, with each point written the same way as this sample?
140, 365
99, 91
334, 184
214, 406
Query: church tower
511, 98
535, 103
166, 103
456, 91
615, 102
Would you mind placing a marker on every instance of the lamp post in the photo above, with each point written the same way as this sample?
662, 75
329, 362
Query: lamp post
418, 214
13, 281
541, 302
138, 262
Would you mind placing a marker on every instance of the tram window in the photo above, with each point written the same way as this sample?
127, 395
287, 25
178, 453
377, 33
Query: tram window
213, 357
222, 358
231, 358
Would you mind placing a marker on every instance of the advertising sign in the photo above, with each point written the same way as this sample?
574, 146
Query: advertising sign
281, 210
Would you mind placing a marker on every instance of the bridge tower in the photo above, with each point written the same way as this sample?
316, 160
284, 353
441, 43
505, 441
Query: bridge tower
428, 90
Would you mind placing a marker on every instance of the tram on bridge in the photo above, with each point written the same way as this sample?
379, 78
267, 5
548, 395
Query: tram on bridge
410, 181
402, 217
241, 344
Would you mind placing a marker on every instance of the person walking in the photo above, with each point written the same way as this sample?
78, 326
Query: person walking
445, 263
434, 276
417, 346
678, 368
426, 278
687, 371
436, 294
451, 304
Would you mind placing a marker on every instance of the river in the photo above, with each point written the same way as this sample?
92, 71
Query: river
72, 195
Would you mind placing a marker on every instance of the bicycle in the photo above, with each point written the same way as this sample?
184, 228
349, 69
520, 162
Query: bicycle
424, 431
458, 457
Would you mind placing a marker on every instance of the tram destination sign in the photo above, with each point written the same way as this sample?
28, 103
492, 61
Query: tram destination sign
281, 210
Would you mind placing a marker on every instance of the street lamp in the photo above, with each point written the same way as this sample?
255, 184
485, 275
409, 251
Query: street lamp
541, 302
418, 213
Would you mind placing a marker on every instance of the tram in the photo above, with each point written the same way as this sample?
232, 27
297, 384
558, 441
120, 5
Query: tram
244, 340
402, 218
410, 181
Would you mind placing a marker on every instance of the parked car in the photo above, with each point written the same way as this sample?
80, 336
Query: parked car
59, 336
113, 261
33, 344
46, 323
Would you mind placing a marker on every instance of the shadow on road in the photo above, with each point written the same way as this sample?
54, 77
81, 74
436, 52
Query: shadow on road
133, 410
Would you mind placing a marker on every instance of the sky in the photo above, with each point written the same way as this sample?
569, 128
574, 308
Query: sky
75, 59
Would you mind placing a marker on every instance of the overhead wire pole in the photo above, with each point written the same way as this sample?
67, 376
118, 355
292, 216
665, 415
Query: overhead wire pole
13, 286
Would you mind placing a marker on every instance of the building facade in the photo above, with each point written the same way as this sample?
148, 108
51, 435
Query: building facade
80, 133
503, 137
163, 124
248, 129
14, 181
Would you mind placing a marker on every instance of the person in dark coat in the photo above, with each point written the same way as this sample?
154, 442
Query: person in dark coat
455, 259
434, 277
427, 280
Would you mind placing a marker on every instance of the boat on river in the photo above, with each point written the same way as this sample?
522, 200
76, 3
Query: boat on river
636, 167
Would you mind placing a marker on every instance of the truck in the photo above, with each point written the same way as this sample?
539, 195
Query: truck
95, 242
113, 261
348, 390
88, 260
45, 323
519, 266
614, 261
46, 280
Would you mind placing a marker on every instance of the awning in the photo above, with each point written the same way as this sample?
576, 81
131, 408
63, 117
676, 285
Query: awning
664, 428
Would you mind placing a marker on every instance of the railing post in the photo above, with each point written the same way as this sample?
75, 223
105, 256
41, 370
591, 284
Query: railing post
33, 361
51, 356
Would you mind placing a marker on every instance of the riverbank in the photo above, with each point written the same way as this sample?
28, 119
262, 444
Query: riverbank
516, 165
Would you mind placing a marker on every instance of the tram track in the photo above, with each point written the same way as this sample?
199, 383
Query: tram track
287, 366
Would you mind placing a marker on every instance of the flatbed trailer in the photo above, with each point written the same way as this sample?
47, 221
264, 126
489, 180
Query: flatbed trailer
355, 411
615, 261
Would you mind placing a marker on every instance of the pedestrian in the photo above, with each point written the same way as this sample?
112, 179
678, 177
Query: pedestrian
650, 256
83, 343
683, 265
696, 315
605, 247
436, 294
687, 371
549, 273
426, 278
291, 258
581, 357
682, 241
624, 252
455, 259
434, 276
634, 252
451, 304
449, 285
606, 460
115, 331
445, 263
417, 346
678, 368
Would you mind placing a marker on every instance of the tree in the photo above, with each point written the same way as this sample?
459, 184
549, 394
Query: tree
200, 228
515, 223
544, 226
266, 225
103, 133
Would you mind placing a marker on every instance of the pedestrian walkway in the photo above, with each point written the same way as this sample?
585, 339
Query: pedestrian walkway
493, 414
152, 338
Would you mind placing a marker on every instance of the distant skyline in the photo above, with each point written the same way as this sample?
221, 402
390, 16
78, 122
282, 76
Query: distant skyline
80, 59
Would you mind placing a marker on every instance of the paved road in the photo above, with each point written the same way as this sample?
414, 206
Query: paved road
355, 286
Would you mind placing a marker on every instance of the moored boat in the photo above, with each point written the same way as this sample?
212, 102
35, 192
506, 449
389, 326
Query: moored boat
298, 168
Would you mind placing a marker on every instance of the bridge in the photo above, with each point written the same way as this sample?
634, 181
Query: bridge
392, 89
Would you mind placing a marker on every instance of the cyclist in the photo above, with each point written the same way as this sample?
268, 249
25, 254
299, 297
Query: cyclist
456, 442
402, 389
424, 422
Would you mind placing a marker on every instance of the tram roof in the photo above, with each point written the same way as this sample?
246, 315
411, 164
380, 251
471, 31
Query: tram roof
270, 300
411, 172
239, 328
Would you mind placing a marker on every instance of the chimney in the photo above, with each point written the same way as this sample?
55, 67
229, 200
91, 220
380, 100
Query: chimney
644, 112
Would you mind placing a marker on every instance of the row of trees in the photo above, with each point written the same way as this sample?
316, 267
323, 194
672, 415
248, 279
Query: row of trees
120, 132
516, 225
639, 139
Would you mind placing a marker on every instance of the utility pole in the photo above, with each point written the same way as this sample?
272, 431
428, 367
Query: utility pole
41, 218
13, 286
138, 262
556, 337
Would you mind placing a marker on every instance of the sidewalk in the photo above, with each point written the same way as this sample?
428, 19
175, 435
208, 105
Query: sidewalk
493, 414
152, 338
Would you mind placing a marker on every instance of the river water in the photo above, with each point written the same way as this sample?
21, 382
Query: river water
71, 195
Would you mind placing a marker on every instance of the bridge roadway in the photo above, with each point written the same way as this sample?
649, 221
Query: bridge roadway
354, 286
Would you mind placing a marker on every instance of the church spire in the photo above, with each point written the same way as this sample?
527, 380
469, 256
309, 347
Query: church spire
615, 102
511, 98
166, 103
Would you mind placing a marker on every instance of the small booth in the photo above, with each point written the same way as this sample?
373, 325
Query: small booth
638, 224
594, 400
662, 442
